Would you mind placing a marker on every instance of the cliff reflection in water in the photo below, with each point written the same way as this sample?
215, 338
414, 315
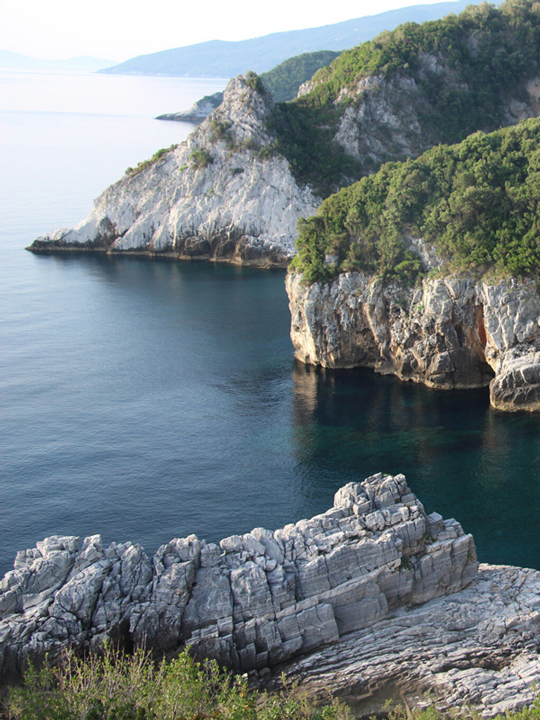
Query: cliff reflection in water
461, 457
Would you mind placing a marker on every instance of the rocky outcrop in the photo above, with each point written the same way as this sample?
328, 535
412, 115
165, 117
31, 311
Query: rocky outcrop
389, 118
198, 112
372, 600
452, 332
476, 648
253, 601
224, 193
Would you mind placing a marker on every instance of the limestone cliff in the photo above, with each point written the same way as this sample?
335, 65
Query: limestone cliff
370, 600
252, 601
222, 194
237, 186
451, 332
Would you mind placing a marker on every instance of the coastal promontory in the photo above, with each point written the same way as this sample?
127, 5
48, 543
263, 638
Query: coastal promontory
235, 189
428, 270
371, 599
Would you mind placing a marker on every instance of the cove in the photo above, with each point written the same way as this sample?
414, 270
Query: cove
150, 400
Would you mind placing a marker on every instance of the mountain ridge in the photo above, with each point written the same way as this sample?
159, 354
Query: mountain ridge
16, 61
221, 58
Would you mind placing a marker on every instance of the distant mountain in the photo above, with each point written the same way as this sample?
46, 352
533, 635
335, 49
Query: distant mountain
13, 60
219, 58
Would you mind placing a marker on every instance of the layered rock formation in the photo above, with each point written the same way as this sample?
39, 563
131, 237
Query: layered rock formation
452, 332
371, 600
222, 194
253, 601
476, 648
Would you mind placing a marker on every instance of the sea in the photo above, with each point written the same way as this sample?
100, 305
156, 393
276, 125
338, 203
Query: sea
146, 400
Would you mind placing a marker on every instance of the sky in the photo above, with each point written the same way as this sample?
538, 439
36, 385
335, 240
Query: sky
121, 29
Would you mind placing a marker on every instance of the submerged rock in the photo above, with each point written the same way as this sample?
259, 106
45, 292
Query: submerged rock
253, 601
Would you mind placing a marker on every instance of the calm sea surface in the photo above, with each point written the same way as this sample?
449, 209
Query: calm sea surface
147, 400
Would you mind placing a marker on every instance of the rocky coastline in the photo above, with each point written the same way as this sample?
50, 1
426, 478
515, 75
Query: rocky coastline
223, 194
452, 331
373, 599
198, 112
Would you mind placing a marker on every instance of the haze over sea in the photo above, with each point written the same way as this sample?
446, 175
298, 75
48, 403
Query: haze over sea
148, 400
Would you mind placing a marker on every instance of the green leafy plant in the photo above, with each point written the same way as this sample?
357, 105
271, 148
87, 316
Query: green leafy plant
201, 158
113, 686
477, 203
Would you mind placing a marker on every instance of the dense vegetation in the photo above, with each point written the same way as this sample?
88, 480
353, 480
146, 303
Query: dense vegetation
477, 202
284, 80
116, 687
487, 54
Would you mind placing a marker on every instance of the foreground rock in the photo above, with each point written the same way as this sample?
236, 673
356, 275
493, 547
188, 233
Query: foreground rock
223, 194
252, 602
478, 647
452, 332
370, 600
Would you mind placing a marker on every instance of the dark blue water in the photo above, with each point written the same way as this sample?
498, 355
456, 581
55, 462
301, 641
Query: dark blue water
146, 400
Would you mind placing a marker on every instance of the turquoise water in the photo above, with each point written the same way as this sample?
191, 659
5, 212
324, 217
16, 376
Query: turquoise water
146, 400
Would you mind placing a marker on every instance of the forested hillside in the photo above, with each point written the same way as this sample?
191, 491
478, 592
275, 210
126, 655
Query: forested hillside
476, 203
284, 80
412, 88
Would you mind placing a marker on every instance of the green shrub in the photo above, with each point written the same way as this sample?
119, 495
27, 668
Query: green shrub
148, 163
221, 131
477, 203
112, 686
254, 82
201, 158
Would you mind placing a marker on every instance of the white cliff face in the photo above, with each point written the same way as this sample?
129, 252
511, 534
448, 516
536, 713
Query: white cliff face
228, 201
253, 601
383, 122
452, 332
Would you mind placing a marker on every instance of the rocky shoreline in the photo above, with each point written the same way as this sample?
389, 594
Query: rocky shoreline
450, 332
222, 194
242, 255
373, 599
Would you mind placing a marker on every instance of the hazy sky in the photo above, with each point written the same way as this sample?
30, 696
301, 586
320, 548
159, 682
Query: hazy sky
120, 29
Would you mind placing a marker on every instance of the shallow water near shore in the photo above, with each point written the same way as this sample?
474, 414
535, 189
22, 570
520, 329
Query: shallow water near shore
150, 399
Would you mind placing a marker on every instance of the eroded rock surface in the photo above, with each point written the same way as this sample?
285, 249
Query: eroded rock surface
253, 601
478, 647
221, 194
452, 332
